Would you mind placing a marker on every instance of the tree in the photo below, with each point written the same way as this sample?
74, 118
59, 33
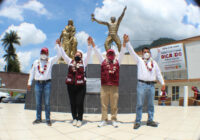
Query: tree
161, 41
10, 57
13, 65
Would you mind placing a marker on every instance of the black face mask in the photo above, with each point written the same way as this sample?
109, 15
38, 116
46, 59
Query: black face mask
77, 58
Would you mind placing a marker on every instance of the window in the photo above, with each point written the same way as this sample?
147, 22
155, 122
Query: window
0, 83
166, 89
156, 94
175, 93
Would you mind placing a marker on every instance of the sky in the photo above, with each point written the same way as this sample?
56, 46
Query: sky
40, 22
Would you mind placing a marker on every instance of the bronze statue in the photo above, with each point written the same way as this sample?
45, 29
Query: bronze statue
113, 27
68, 39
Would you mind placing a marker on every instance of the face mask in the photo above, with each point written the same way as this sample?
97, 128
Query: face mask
77, 58
146, 55
43, 56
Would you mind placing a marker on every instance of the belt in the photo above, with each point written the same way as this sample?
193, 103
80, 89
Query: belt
147, 82
43, 81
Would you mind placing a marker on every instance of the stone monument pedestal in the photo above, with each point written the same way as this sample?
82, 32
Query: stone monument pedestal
60, 98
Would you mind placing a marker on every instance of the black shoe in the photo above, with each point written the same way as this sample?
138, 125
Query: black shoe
136, 125
37, 121
152, 123
48, 123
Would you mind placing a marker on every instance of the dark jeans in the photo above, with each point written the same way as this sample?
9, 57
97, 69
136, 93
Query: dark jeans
143, 90
40, 89
76, 97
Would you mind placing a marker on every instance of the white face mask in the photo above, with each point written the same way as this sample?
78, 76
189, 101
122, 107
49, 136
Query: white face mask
146, 55
43, 57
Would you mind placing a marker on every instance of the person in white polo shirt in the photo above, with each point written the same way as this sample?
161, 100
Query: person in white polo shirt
148, 72
41, 73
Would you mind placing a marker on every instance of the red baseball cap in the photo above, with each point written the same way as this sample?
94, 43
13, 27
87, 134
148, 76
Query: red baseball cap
44, 50
110, 51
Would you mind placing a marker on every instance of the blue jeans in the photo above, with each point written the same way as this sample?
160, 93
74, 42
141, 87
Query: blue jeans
143, 90
40, 89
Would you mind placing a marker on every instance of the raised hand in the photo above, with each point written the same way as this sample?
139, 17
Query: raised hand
91, 42
125, 8
28, 87
163, 88
58, 42
125, 39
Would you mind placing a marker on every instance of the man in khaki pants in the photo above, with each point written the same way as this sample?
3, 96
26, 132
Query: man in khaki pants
109, 84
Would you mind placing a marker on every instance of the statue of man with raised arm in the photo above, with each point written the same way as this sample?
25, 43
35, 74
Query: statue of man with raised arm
113, 27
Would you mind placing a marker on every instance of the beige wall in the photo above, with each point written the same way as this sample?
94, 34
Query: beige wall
181, 88
193, 59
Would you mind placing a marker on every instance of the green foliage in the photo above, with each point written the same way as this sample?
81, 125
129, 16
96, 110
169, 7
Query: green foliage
13, 65
10, 57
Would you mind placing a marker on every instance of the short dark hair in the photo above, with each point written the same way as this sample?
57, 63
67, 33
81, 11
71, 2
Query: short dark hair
145, 48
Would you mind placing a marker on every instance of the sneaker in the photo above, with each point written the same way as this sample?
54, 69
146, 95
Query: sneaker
79, 123
74, 122
136, 125
152, 123
102, 123
37, 121
115, 124
48, 123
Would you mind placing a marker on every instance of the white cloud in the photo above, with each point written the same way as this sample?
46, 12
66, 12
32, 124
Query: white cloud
36, 6
28, 33
147, 20
24, 59
193, 14
82, 38
15, 11
2, 62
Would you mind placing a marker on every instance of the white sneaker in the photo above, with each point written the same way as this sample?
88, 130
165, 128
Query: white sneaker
115, 124
102, 123
74, 122
79, 123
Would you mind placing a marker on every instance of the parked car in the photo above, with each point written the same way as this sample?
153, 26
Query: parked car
3, 95
19, 98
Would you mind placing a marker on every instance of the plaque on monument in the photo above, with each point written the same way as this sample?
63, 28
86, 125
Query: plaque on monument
93, 85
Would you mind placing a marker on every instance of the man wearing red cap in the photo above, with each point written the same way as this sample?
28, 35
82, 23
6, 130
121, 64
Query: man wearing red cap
109, 84
41, 73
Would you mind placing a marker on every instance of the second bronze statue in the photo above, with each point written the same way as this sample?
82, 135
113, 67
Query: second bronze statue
68, 39
113, 27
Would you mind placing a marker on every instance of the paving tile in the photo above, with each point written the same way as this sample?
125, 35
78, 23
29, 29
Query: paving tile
58, 137
83, 135
4, 135
145, 137
119, 135
21, 135
175, 123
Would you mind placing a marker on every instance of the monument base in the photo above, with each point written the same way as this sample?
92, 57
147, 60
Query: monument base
60, 99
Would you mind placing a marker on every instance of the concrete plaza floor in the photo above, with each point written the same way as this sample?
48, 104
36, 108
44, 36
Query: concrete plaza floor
175, 123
